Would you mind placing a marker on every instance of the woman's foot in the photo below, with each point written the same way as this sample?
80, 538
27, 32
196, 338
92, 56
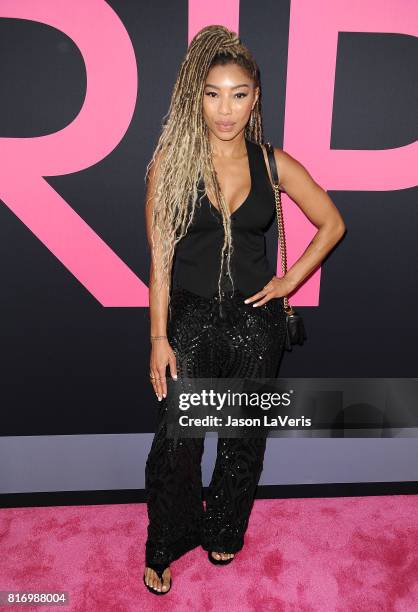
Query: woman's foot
152, 580
221, 556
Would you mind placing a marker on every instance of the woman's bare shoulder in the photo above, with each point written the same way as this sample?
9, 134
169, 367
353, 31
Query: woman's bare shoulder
278, 157
290, 170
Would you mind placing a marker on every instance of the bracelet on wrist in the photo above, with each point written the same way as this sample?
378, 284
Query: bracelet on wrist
157, 337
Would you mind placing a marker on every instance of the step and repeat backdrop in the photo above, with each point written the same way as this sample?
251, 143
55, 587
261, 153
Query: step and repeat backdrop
85, 86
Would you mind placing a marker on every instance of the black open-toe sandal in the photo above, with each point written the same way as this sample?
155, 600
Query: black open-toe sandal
159, 569
220, 561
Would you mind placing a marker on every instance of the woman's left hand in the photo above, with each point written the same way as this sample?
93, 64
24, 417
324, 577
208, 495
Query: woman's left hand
277, 287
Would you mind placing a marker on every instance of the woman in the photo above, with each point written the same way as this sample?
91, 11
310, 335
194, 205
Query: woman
218, 311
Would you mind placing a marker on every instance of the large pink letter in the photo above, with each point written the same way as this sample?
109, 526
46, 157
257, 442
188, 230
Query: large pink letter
94, 133
313, 36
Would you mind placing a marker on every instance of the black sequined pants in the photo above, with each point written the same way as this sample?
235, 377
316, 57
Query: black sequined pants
236, 340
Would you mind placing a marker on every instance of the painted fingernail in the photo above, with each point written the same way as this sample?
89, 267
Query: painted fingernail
246, 301
255, 305
164, 395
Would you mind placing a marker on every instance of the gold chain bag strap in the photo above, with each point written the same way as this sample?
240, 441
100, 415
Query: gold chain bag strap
296, 333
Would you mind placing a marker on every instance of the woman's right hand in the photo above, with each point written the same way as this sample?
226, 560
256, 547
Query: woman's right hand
162, 355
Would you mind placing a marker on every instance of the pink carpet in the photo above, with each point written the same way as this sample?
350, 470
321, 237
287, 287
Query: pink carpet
347, 554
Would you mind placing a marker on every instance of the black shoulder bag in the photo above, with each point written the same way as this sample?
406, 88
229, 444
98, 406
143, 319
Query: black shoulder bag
296, 333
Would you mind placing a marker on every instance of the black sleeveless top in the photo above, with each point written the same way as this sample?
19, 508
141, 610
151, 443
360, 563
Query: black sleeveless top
196, 265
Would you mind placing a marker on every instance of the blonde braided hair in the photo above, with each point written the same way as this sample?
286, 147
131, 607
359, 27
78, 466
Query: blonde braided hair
185, 149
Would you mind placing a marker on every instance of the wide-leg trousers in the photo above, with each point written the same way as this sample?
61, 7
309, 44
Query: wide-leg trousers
210, 338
